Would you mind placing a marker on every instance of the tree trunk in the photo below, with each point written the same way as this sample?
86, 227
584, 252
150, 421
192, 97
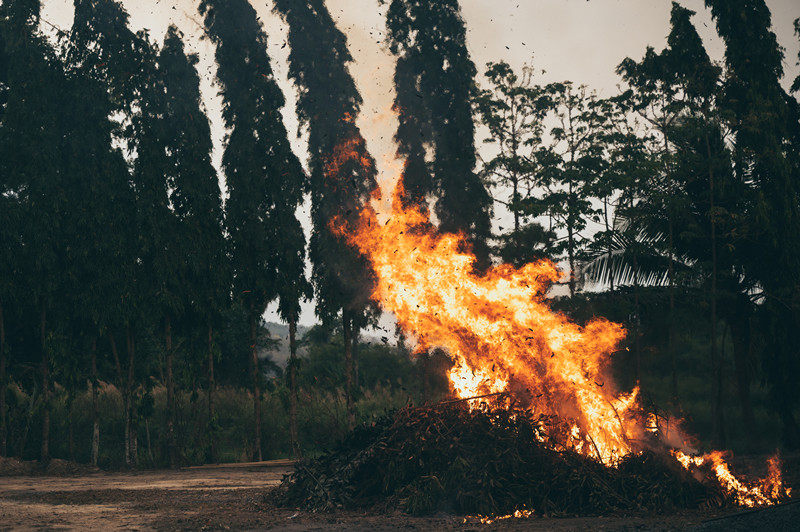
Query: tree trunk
256, 387
671, 272
3, 414
347, 323
354, 335
742, 353
168, 356
95, 415
45, 454
515, 200
637, 348
571, 252
671, 323
716, 362
293, 385
147, 435
210, 400
609, 253
70, 427
122, 386
131, 457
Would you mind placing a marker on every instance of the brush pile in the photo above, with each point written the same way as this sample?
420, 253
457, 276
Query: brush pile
490, 462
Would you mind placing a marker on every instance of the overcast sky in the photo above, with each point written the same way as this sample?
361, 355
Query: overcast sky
578, 40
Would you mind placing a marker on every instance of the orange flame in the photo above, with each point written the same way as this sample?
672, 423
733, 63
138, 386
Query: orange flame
503, 337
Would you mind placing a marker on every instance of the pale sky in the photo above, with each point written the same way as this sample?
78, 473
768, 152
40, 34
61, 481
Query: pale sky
578, 40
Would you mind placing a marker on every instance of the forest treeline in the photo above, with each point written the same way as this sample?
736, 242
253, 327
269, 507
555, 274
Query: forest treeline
132, 292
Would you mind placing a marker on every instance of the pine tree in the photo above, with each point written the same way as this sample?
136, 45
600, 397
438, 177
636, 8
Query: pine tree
342, 173
259, 165
435, 81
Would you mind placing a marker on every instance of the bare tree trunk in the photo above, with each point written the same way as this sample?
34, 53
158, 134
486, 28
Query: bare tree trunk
571, 253
132, 457
671, 324
210, 401
671, 273
609, 254
571, 241
3, 411
347, 323
515, 181
70, 427
741, 337
256, 387
45, 454
716, 362
354, 335
637, 329
293, 385
122, 386
168, 356
95, 415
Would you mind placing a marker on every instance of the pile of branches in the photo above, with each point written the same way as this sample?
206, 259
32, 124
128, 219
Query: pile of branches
490, 462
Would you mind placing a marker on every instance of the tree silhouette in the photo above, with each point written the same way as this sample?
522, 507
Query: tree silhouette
434, 67
260, 167
342, 173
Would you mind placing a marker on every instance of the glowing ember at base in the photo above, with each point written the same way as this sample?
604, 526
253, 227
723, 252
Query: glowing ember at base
488, 520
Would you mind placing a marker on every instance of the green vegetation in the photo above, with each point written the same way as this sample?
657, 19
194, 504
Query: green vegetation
132, 288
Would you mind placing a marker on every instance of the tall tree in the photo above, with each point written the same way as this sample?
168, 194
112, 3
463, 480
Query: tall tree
30, 143
99, 220
161, 281
513, 109
342, 173
258, 162
434, 66
571, 165
9, 239
696, 78
194, 196
104, 50
765, 127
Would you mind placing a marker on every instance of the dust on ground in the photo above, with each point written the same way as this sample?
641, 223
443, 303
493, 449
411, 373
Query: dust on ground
237, 497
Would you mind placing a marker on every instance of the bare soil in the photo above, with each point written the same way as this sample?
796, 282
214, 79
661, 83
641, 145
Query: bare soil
237, 497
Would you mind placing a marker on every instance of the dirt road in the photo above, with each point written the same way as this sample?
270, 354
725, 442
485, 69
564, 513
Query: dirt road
231, 498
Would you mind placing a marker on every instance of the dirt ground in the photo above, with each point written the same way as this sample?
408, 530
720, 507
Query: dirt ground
235, 497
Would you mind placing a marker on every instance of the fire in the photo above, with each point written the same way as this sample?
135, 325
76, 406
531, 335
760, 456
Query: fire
503, 337
763, 493
498, 328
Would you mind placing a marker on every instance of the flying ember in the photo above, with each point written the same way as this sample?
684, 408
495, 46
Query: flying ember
505, 340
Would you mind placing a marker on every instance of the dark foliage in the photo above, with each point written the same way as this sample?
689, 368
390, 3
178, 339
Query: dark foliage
446, 457
342, 170
435, 82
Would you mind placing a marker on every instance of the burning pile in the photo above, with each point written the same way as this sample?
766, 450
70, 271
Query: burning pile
561, 438
487, 461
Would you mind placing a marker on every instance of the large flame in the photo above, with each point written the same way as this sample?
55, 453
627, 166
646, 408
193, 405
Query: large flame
504, 339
